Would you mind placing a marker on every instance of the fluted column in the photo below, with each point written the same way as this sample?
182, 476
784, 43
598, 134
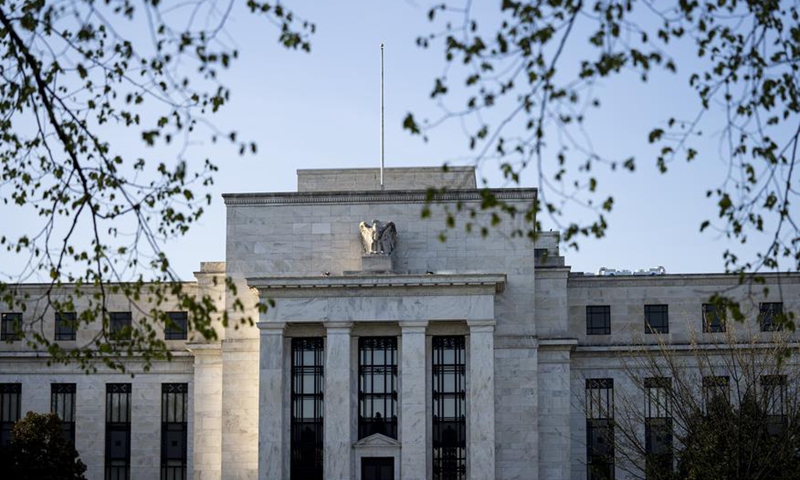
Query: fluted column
338, 446
480, 444
413, 417
271, 428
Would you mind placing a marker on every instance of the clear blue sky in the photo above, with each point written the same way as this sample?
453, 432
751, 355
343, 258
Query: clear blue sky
321, 110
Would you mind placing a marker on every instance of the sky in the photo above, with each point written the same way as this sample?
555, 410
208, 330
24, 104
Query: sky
322, 110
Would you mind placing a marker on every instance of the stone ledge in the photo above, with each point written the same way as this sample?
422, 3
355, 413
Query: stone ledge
390, 196
497, 280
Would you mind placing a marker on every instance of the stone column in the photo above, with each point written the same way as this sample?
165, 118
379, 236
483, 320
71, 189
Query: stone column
413, 415
480, 443
207, 436
271, 428
338, 444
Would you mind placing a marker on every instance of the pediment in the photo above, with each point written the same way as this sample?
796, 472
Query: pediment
377, 440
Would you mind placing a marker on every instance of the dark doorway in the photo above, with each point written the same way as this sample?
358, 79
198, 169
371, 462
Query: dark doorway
377, 468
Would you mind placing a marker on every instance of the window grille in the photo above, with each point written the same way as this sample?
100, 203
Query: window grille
713, 318
598, 320
656, 319
600, 429
11, 326
377, 386
120, 325
176, 327
307, 408
62, 403
10, 394
174, 428
658, 427
449, 409
768, 316
66, 325
118, 431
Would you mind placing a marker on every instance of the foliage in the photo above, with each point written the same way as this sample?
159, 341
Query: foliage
725, 410
74, 70
525, 95
39, 451
71, 72
735, 442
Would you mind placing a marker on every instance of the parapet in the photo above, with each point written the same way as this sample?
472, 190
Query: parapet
360, 179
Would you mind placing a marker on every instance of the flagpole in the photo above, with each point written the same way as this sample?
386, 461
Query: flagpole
382, 120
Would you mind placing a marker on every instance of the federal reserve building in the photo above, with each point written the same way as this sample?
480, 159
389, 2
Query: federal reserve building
397, 348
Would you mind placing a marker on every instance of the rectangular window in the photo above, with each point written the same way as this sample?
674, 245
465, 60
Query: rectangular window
600, 429
598, 320
120, 323
118, 431
377, 386
713, 318
62, 403
658, 427
308, 382
449, 409
775, 397
656, 319
10, 394
66, 325
769, 314
174, 428
176, 326
11, 326
715, 389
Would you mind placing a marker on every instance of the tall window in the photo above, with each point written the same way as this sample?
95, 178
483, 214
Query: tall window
713, 318
768, 315
658, 427
449, 409
656, 319
66, 324
307, 404
10, 394
120, 323
118, 431
716, 389
598, 320
10, 326
62, 403
174, 428
774, 395
176, 326
600, 429
377, 386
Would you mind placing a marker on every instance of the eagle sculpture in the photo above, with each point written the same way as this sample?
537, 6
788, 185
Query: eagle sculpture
378, 238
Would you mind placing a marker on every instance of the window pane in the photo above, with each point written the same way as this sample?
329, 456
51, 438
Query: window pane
177, 326
598, 320
118, 431
449, 408
307, 405
174, 428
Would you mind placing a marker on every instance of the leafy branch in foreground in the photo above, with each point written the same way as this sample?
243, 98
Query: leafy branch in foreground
525, 97
72, 73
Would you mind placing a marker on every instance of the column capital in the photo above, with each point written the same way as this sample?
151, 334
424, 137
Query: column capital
481, 326
415, 326
271, 328
337, 326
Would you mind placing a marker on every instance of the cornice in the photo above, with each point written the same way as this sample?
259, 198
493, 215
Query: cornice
272, 284
388, 196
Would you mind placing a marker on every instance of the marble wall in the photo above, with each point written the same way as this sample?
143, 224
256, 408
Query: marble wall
90, 407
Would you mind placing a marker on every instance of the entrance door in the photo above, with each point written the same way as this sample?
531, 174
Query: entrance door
377, 468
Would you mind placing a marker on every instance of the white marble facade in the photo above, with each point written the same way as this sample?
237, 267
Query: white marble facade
521, 316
